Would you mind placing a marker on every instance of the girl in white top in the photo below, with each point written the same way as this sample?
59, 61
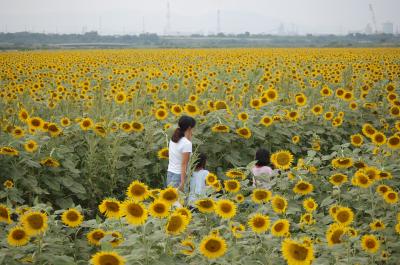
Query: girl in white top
180, 148
198, 180
262, 172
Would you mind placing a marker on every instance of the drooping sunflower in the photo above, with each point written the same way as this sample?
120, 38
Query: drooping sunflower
135, 212
342, 162
213, 246
17, 237
8, 150
107, 258
303, 187
50, 162
72, 217
116, 238
237, 230
169, 195
159, 208
244, 132
220, 128
370, 243
232, 185
259, 223
282, 159
205, 205
279, 204
176, 224
53, 129
225, 208
34, 222
368, 130
280, 228
138, 191
163, 153
344, 216
357, 139
5, 215
261, 195
111, 208
310, 205
235, 173
296, 253
338, 179
188, 247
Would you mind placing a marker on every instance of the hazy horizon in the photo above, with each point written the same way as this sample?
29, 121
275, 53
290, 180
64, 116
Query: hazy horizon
187, 16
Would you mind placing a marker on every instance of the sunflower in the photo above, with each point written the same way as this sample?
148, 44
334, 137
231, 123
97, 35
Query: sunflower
344, 216
18, 132
161, 114
95, 236
18, 237
213, 246
371, 172
191, 109
279, 204
378, 138
259, 223
244, 132
137, 191
107, 258
243, 116
185, 212
370, 243
34, 222
303, 187
338, 179
301, 99
159, 208
163, 153
50, 162
334, 234
169, 195
232, 185
100, 130
394, 142
391, 197
377, 225
53, 129
120, 97
211, 179
271, 94
30, 146
239, 198
280, 228
226, 209
65, 122
176, 110
317, 110
72, 217
296, 253
357, 140
282, 159
296, 139
135, 212
126, 127
176, 224
86, 124
235, 173
117, 238
5, 215
205, 205
137, 126
255, 103
8, 184
23, 115
266, 121
325, 91
368, 130
237, 230
36, 123
111, 208
310, 205
220, 128
361, 179
382, 189
8, 150
328, 115
342, 162
261, 195
188, 247
217, 186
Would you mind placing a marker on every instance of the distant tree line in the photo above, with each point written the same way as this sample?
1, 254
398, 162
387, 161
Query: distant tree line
90, 39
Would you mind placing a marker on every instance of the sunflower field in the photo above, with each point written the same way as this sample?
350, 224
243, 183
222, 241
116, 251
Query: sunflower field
84, 151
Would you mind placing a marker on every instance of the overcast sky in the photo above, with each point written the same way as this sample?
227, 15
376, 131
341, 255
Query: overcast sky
190, 16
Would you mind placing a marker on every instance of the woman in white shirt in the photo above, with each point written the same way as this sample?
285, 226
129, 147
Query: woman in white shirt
180, 148
198, 179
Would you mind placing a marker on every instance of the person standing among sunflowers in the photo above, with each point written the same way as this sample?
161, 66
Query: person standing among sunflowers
179, 150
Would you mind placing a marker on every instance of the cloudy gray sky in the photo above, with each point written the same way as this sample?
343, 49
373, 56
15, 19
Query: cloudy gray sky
190, 16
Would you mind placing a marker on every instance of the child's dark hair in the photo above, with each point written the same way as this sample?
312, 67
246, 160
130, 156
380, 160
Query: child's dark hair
262, 158
201, 161
184, 123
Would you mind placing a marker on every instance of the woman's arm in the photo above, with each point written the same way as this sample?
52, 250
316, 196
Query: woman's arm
185, 161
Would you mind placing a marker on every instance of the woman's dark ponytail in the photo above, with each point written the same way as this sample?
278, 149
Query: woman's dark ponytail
184, 123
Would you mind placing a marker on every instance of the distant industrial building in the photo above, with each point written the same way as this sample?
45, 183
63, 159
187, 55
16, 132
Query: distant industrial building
388, 27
